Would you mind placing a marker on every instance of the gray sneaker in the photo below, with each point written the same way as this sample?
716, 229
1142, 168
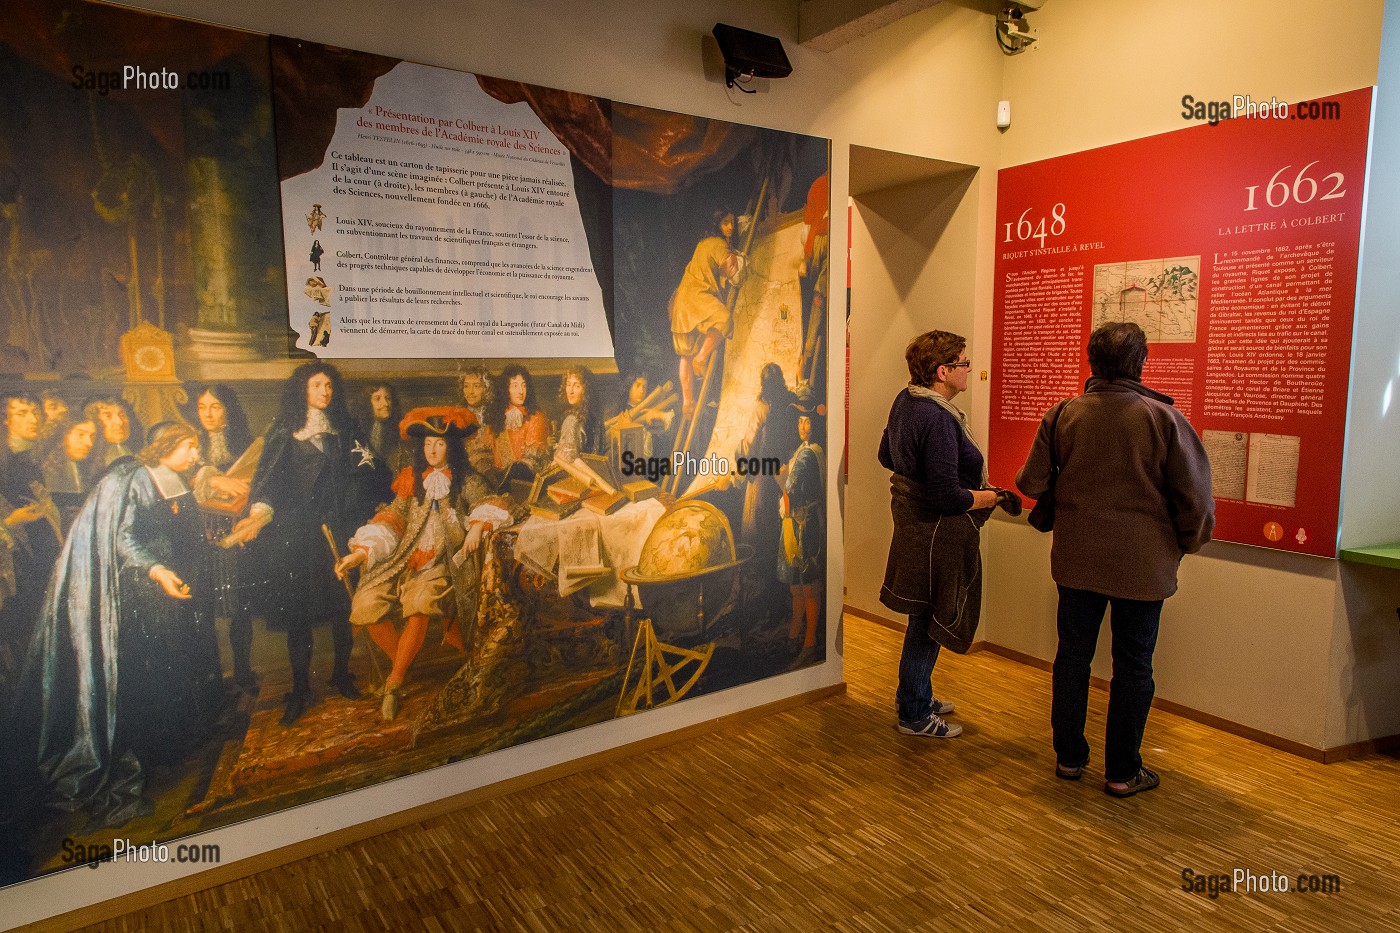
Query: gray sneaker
943, 707
933, 727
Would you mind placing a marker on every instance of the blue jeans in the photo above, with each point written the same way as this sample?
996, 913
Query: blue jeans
1129, 693
913, 699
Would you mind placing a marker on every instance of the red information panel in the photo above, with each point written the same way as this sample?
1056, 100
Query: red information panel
1235, 248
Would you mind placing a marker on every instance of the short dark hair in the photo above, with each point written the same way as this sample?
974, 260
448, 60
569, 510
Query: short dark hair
8, 397
1117, 351
930, 350
717, 218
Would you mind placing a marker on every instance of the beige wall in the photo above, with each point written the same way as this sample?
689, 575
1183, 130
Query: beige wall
1365, 661
1247, 637
911, 247
1110, 70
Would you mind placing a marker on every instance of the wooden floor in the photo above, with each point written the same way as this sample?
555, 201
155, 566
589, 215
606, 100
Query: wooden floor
823, 816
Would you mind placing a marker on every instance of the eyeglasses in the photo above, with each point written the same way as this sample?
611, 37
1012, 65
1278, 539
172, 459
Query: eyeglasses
965, 364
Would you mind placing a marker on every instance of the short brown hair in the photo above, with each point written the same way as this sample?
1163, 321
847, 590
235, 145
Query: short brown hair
165, 437
1117, 351
930, 350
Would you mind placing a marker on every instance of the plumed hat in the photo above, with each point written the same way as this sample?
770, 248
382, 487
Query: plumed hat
445, 421
809, 403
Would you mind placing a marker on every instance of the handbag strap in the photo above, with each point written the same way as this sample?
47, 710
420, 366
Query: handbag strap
1055, 423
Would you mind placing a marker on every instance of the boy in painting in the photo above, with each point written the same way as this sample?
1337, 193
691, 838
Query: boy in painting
412, 550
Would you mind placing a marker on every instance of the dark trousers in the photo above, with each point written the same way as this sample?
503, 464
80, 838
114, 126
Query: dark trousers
240, 640
913, 699
299, 654
1130, 692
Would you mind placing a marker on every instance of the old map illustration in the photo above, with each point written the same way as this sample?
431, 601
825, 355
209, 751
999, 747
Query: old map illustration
1159, 295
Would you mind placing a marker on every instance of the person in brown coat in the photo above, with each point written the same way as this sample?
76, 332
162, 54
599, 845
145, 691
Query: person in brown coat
1133, 495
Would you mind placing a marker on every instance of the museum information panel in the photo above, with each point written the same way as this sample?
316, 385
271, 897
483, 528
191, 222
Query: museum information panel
439, 221
1235, 248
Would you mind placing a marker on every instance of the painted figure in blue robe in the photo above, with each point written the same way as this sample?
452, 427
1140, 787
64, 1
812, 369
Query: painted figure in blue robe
123, 670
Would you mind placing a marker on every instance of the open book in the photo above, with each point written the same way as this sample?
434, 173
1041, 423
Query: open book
243, 468
580, 556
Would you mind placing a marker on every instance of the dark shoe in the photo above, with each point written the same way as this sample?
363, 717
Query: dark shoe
1143, 780
1069, 772
247, 681
344, 684
931, 727
295, 705
944, 707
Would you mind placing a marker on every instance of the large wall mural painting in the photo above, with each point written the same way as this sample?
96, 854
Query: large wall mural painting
360, 417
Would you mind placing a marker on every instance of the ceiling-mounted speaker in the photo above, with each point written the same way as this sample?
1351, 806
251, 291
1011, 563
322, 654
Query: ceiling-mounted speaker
750, 54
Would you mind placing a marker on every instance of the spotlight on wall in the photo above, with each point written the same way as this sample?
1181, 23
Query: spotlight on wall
749, 55
1014, 34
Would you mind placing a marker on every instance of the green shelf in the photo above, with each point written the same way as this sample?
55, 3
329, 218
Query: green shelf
1382, 555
